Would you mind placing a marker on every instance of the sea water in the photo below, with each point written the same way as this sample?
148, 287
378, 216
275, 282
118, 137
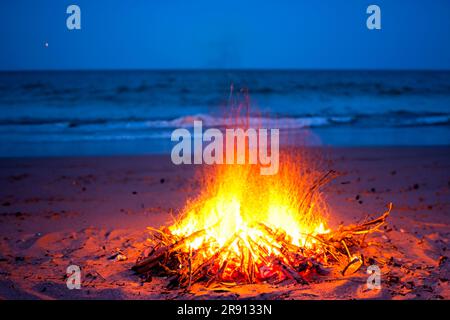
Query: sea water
59, 113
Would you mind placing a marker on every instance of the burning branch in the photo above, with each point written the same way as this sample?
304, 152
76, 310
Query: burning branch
270, 256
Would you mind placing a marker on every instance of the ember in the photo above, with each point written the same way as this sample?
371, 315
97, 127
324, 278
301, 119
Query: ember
245, 227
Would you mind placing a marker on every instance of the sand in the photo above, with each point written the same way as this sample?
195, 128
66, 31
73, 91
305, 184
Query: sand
55, 212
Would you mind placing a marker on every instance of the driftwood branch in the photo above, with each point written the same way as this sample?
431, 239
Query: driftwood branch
268, 258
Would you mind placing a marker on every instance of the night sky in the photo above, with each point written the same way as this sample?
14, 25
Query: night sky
150, 34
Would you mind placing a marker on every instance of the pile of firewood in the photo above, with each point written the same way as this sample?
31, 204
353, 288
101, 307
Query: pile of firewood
168, 256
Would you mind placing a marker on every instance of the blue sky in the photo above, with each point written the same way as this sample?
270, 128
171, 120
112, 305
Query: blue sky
150, 34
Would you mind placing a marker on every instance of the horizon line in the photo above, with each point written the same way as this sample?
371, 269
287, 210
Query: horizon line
223, 69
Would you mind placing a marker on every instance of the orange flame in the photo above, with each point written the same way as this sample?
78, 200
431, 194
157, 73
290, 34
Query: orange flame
241, 210
244, 219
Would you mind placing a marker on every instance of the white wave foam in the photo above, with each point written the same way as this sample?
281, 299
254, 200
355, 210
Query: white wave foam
281, 123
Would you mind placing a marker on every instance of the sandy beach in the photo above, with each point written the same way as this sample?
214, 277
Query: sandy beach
55, 212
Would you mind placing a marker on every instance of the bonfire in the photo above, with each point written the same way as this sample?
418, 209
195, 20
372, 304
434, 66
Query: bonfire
244, 227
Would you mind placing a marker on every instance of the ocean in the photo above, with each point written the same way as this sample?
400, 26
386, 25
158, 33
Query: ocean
77, 113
